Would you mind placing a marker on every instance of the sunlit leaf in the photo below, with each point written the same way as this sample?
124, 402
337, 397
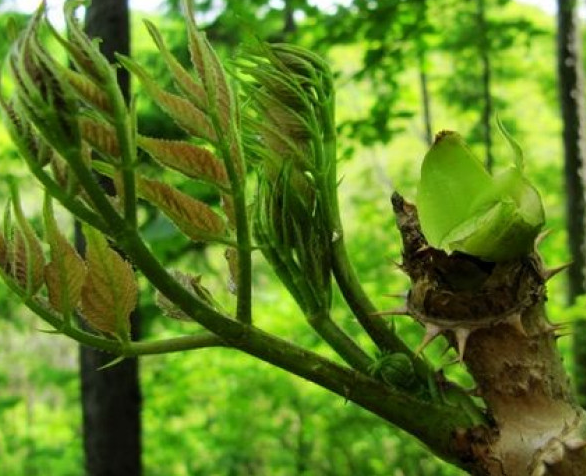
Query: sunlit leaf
65, 274
194, 218
109, 293
193, 161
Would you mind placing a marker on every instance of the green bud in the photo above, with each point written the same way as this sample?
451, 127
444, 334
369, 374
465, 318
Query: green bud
464, 208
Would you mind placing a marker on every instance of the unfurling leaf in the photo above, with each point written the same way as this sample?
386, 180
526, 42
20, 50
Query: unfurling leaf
29, 144
210, 70
109, 293
65, 274
101, 136
84, 52
183, 112
26, 254
194, 218
185, 82
88, 91
45, 97
193, 161
463, 208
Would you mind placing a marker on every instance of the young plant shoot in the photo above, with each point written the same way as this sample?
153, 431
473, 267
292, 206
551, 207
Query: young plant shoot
469, 246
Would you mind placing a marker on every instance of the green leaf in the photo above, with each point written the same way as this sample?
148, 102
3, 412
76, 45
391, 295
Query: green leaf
450, 177
65, 274
193, 217
27, 259
109, 293
463, 208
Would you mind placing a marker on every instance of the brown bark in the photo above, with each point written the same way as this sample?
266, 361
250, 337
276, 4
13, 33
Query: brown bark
493, 314
111, 398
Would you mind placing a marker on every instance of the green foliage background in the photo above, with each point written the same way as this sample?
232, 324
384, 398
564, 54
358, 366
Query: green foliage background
217, 412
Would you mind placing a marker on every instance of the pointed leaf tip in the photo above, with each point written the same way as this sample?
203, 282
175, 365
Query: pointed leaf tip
65, 274
109, 293
519, 161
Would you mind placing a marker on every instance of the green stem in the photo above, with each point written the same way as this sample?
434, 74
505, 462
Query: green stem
130, 349
338, 340
356, 298
116, 224
433, 423
77, 208
126, 142
244, 249
176, 344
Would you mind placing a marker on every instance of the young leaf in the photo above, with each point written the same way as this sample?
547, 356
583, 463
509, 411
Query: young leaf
186, 83
84, 52
183, 112
65, 274
101, 136
88, 91
193, 161
27, 259
109, 293
463, 208
451, 176
46, 99
210, 70
192, 217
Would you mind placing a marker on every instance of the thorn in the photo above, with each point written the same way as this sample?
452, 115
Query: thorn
542, 236
551, 272
422, 248
400, 266
431, 332
559, 326
400, 311
516, 322
49, 331
575, 444
461, 338
562, 334
112, 363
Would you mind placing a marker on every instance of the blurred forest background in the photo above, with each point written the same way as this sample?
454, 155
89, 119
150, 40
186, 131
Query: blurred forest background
405, 69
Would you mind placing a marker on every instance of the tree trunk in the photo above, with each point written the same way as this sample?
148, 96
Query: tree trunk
111, 397
494, 315
484, 52
571, 91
